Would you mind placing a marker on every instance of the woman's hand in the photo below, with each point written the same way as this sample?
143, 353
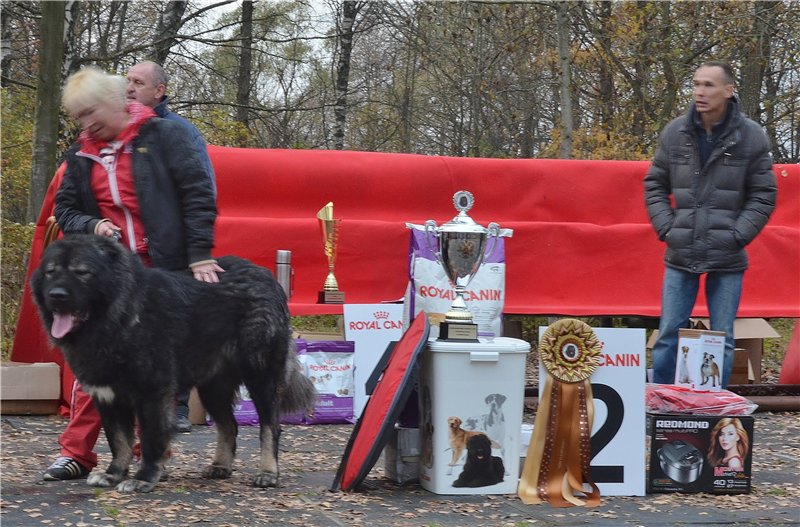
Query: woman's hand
207, 271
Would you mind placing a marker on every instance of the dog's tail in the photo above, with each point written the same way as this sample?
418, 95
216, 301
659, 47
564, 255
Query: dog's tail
298, 393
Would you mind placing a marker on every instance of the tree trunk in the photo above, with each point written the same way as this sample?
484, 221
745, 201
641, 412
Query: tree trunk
756, 58
245, 65
349, 12
5, 53
606, 88
71, 39
562, 24
123, 15
48, 99
169, 22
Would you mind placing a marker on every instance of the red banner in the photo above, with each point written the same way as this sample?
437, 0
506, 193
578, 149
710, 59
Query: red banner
582, 242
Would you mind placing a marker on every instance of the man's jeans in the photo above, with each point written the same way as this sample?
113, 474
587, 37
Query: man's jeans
723, 291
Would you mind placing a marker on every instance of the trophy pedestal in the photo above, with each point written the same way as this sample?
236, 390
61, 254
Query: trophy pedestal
458, 332
330, 297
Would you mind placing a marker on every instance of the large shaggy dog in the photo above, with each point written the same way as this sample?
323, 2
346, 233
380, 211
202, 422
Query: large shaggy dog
134, 335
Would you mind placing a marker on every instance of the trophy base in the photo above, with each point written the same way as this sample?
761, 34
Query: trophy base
458, 332
330, 297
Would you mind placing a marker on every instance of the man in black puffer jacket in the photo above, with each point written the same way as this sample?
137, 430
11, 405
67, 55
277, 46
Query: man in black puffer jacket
716, 165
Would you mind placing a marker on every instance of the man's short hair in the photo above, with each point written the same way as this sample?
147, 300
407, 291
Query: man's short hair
160, 76
730, 78
90, 86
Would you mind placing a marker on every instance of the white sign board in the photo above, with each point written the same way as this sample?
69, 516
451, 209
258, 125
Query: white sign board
618, 431
372, 327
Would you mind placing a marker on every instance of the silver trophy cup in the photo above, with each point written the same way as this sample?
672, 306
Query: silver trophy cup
461, 248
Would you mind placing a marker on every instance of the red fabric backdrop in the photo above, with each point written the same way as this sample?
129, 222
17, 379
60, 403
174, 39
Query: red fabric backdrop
582, 243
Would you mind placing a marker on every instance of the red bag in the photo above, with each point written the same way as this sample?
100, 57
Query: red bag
672, 399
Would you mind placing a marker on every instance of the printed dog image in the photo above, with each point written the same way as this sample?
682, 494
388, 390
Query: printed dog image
492, 423
458, 438
709, 369
133, 336
683, 368
481, 468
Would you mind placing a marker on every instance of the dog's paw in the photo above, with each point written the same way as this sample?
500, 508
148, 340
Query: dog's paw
217, 472
103, 479
136, 485
265, 479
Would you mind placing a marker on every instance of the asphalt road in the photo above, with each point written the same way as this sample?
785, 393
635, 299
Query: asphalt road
309, 458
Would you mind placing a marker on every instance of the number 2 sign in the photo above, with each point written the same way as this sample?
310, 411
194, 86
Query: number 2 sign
618, 433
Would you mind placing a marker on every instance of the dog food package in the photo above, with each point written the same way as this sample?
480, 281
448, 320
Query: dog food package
471, 399
709, 454
329, 365
700, 359
244, 411
429, 289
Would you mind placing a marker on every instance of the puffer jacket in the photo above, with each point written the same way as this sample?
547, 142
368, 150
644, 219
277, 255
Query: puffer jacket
718, 208
175, 195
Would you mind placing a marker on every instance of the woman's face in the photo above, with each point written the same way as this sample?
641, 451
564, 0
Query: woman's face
102, 121
728, 437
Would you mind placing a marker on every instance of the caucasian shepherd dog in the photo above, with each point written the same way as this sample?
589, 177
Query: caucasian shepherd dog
133, 336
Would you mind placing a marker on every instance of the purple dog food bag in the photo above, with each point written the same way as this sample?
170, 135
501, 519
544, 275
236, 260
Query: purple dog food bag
329, 365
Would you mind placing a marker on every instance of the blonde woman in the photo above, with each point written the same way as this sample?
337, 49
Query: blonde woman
136, 178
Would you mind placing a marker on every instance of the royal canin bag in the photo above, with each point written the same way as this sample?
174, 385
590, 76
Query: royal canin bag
429, 289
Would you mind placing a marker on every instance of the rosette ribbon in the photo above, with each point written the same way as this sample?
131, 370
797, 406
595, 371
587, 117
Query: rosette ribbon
556, 468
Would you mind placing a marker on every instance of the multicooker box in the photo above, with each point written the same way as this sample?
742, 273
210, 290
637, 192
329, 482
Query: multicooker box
700, 453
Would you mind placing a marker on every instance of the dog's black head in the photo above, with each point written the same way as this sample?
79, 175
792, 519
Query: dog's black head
479, 449
76, 280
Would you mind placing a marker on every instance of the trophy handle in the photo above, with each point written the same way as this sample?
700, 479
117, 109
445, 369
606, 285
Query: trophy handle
430, 229
493, 231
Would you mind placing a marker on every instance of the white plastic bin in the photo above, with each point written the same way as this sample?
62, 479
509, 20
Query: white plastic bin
469, 389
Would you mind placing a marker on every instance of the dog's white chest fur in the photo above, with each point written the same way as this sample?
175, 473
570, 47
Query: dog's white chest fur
102, 393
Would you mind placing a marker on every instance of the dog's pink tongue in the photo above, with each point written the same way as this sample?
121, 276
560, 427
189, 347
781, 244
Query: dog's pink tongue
62, 324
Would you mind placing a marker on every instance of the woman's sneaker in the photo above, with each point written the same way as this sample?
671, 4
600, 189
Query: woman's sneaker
65, 468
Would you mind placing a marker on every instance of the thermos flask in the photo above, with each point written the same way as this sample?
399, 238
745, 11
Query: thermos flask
283, 270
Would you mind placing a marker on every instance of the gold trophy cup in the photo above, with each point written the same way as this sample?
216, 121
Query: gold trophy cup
329, 227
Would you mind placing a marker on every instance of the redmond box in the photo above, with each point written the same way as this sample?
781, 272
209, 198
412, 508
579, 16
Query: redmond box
690, 453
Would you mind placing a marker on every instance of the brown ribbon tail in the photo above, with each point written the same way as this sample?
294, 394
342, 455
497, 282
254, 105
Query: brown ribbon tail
528, 482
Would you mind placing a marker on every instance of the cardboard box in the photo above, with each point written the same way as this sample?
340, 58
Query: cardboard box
401, 455
197, 414
749, 335
686, 454
30, 388
319, 335
700, 360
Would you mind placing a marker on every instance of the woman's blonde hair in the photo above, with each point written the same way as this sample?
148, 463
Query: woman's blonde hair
90, 86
